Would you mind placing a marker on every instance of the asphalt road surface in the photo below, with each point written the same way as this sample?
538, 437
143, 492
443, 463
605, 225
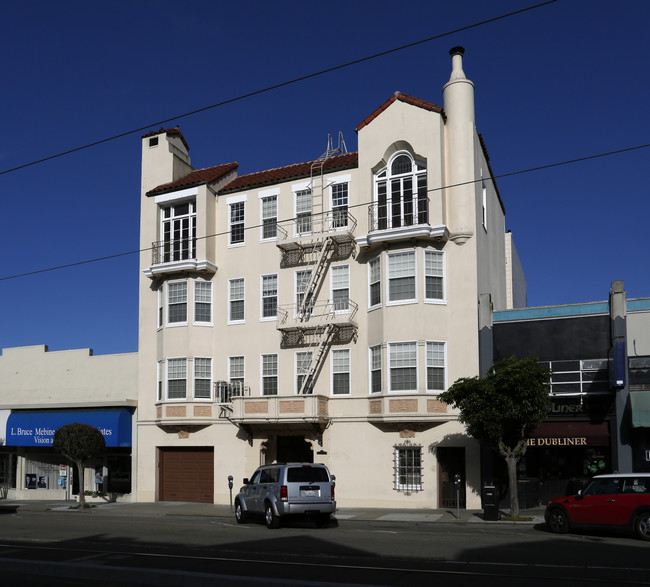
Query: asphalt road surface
73, 548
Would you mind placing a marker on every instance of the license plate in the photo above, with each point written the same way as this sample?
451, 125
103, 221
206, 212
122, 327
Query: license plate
309, 493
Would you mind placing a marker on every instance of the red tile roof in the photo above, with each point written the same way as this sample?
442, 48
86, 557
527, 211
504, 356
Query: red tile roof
295, 171
198, 177
170, 131
402, 98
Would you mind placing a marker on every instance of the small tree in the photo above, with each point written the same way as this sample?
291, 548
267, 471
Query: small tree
501, 407
79, 442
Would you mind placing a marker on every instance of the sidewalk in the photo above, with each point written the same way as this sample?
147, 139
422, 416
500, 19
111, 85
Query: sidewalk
179, 508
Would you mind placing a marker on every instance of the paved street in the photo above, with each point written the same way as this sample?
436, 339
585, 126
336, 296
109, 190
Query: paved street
200, 544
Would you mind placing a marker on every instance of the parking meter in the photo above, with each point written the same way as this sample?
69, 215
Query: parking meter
230, 488
457, 482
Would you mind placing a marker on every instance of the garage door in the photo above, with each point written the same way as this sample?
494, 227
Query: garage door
187, 474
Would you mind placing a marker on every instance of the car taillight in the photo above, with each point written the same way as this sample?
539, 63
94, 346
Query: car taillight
284, 495
332, 486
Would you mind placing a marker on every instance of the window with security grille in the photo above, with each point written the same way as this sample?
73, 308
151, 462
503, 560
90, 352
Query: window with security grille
435, 366
339, 205
434, 275
303, 368
176, 378
374, 280
202, 378
401, 276
403, 366
236, 297
408, 468
177, 302
202, 301
375, 369
269, 217
341, 288
303, 211
237, 222
269, 374
269, 296
340, 371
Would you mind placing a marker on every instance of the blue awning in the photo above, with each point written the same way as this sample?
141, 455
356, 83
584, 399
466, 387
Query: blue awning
37, 428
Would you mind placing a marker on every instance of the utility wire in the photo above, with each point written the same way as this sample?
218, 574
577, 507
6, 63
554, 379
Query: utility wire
257, 226
279, 85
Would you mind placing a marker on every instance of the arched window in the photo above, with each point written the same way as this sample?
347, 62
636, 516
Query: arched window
401, 193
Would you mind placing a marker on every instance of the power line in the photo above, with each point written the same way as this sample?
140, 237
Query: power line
279, 85
257, 226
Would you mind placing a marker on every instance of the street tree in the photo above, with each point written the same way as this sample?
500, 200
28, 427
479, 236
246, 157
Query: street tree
500, 409
79, 443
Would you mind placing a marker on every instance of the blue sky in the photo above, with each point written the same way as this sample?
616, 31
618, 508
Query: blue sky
561, 82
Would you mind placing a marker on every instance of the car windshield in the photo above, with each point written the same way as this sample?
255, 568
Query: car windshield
306, 474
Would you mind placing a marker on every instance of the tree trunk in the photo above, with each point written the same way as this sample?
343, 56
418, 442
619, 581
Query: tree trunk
82, 488
511, 461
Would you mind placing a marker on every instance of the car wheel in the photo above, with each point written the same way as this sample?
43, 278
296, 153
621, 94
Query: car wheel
270, 519
558, 522
240, 514
642, 526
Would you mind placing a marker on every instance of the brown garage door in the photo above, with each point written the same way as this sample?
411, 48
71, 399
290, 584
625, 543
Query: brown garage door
187, 474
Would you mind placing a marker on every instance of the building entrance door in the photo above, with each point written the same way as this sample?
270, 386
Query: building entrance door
451, 461
294, 449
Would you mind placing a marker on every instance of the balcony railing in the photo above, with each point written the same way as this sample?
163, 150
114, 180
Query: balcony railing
333, 221
173, 250
384, 216
317, 314
225, 391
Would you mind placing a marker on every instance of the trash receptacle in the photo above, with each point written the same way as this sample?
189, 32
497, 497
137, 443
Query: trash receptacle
490, 503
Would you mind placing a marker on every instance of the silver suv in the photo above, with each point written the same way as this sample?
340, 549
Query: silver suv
280, 490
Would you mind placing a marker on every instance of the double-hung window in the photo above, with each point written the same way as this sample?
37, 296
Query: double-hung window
408, 468
303, 368
340, 371
401, 277
434, 276
403, 366
302, 282
269, 374
375, 369
203, 301
178, 232
202, 378
237, 217
374, 281
236, 300
341, 288
435, 366
269, 296
176, 378
339, 205
177, 302
401, 193
303, 211
236, 375
269, 217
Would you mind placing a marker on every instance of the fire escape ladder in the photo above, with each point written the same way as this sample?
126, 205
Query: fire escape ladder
320, 348
318, 270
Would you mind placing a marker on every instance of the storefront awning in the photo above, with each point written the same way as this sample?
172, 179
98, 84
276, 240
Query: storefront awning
37, 428
640, 403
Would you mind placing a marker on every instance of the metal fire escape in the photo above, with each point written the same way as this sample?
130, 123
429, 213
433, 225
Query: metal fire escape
311, 324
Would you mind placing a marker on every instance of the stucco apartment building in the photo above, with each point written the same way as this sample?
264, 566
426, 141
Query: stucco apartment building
315, 311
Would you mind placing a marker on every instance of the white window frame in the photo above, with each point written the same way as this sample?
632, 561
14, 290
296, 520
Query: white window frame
177, 223
336, 365
399, 452
392, 276
443, 276
160, 367
236, 376
374, 282
299, 295
264, 196
174, 324
342, 273
203, 376
264, 297
433, 349
236, 200
169, 363
208, 301
375, 367
160, 318
298, 362
300, 189
484, 201
231, 299
393, 349
341, 180
266, 375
